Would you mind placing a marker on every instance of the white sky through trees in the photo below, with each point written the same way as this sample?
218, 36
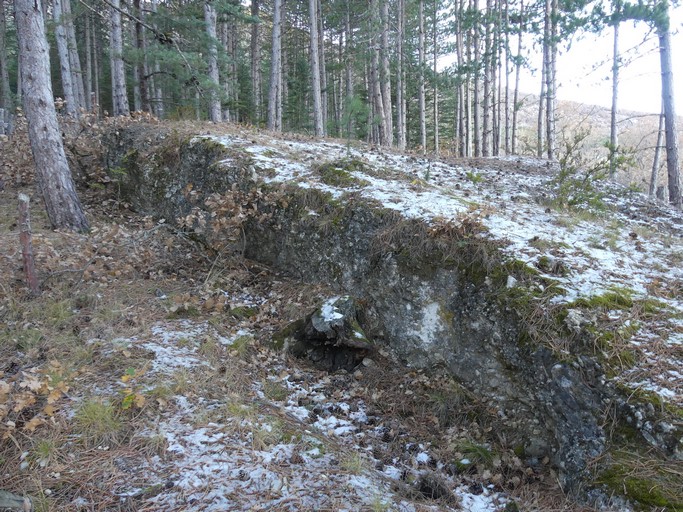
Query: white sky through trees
585, 69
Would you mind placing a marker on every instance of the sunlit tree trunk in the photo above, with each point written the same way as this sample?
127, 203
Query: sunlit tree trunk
52, 169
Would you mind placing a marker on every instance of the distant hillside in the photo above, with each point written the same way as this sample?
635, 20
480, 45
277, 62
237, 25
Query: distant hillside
637, 133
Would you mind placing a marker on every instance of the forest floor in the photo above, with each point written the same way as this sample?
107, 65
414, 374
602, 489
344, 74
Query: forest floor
141, 380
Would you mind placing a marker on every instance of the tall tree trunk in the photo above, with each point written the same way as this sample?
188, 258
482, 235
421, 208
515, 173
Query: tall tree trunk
64, 62
6, 96
518, 66
476, 107
400, 76
657, 157
540, 131
318, 127
551, 81
255, 48
74, 58
52, 169
158, 100
421, 79
118, 71
386, 75
214, 97
275, 91
670, 128
348, 71
613, 132
88, 62
97, 72
323, 67
141, 67
435, 105
508, 119
488, 64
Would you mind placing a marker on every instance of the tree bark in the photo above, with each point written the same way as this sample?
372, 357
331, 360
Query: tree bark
613, 132
386, 75
74, 58
120, 105
400, 76
670, 128
318, 127
255, 48
215, 114
518, 67
421, 79
52, 169
275, 91
6, 96
71, 107
435, 101
141, 67
657, 157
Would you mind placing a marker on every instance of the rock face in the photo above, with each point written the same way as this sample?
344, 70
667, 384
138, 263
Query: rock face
439, 295
330, 336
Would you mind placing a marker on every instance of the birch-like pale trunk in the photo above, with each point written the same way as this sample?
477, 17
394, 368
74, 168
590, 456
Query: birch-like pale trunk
120, 105
52, 168
214, 98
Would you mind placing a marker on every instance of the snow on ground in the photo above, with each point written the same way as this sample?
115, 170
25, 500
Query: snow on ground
255, 454
635, 247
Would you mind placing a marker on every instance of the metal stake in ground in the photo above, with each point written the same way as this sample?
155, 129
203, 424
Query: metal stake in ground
25, 238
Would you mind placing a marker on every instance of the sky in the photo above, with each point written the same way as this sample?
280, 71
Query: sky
585, 74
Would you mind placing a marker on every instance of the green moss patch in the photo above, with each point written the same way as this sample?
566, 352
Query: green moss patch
338, 173
646, 481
